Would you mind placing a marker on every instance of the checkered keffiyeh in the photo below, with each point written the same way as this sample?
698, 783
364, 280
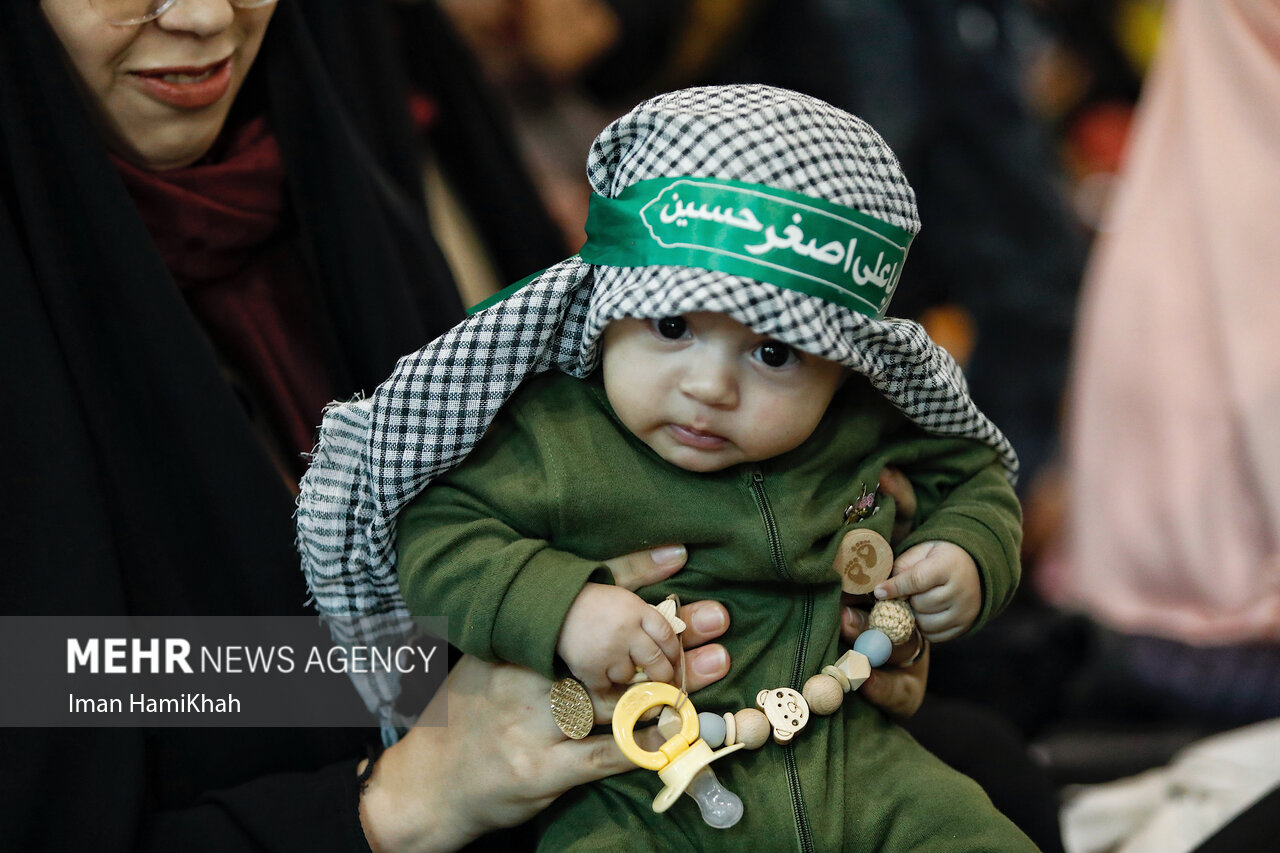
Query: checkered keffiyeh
375, 455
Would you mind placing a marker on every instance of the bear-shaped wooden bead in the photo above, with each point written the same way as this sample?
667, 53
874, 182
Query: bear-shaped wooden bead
786, 709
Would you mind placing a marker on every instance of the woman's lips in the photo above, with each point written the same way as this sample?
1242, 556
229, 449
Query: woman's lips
696, 438
187, 87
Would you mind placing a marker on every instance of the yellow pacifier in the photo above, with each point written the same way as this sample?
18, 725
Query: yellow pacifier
682, 761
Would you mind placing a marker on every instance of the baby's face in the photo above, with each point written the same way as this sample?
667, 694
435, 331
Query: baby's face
706, 392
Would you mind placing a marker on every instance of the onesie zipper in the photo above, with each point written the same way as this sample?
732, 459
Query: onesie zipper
770, 526
802, 648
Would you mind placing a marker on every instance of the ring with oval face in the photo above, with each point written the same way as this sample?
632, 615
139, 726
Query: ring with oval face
571, 708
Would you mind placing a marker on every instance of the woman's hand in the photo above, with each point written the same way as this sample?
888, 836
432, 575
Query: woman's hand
502, 758
896, 485
897, 690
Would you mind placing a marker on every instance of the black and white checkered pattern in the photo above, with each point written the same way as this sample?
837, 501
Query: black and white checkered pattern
376, 454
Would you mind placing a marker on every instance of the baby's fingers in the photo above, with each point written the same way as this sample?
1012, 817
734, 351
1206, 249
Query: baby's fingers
913, 574
705, 665
940, 627
659, 630
600, 681
647, 655
620, 672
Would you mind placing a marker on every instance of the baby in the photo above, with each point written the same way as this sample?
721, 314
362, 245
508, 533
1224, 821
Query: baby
714, 369
706, 394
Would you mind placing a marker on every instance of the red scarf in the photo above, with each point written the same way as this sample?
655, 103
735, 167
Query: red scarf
217, 225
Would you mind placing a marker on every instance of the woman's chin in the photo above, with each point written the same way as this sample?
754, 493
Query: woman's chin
169, 142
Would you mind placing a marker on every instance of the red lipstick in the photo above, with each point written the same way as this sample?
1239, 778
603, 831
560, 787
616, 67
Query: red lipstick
187, 87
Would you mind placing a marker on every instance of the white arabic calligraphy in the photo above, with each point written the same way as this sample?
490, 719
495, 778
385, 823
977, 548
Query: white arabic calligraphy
684, 212
832, 253
880, 276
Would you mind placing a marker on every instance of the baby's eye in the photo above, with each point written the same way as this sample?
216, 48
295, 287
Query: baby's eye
671, 327
776, 354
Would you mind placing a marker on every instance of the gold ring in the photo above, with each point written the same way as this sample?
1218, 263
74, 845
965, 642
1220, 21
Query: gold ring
571, 708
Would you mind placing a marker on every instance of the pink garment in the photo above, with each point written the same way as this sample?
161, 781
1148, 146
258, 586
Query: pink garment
1174, 418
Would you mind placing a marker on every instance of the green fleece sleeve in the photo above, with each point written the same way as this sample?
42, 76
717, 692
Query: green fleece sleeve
472, 547
982, 516
964, 498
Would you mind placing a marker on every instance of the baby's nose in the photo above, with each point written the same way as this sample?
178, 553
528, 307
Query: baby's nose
712, 383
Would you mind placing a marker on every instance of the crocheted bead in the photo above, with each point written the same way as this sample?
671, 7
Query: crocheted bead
895, 618
875, 645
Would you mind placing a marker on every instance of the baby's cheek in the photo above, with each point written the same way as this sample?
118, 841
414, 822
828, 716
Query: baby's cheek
760, 438
783, 427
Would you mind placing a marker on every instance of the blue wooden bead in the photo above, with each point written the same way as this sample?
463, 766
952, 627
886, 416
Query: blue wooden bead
711, 728
875, 644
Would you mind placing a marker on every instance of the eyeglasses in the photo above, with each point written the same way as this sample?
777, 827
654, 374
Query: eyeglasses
126, 13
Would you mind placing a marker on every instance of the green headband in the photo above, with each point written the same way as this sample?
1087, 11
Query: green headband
784, 238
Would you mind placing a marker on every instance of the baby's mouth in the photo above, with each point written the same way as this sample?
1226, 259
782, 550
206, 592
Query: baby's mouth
696, 438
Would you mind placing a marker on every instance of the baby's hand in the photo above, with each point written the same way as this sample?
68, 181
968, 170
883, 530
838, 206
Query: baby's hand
609, 631
942, 581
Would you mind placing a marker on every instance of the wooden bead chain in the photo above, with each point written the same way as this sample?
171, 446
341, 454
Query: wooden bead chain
785, 712
863, 561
